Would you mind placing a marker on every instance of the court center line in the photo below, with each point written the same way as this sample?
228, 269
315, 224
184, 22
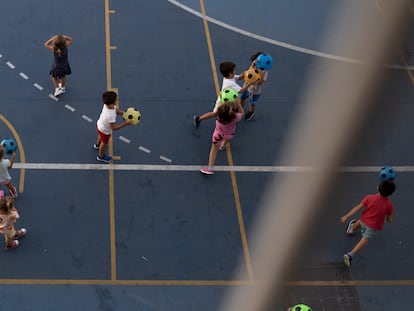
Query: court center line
110, 147
239, 210
280, 43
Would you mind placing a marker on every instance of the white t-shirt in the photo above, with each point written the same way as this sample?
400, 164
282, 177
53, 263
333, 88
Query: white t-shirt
4, 170
227, 83
107, 117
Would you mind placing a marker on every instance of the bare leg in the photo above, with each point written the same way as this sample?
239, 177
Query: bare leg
102, 146
360, 245
63, 80
213, 155
55, 82
207, 115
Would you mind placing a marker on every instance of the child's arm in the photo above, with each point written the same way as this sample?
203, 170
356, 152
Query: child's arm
352, 212
12, 160
245, 87
49, 43
389, 218
69, 40
239, 107
115, 126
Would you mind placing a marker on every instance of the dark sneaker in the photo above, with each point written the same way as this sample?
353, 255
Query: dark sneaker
196, 121
207, 171
12, 245
105, 159
249, 115
95, 146
349, 230
20, 233
348, 260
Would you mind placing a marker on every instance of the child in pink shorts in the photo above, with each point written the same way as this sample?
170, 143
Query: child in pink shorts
228, 115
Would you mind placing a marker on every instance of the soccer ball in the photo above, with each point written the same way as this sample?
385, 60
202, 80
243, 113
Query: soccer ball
252, 75
228, 95
387, 173
132, 114
264, 61
9, 145
301, 307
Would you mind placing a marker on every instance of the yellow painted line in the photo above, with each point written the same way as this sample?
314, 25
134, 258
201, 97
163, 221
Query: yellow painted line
110, 147
354, 283
409, 73
125, 282
20, 148
210, 48
200, 282
117, 158
239, 211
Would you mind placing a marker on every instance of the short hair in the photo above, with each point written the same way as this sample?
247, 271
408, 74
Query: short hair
109, 97
226, 68
255, 55
386, 188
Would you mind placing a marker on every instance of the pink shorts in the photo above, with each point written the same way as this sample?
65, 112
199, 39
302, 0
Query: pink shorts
218, 137
104, 137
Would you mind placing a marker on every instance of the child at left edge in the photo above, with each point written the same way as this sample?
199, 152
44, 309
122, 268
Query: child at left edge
107, 123
5, 166
8, 217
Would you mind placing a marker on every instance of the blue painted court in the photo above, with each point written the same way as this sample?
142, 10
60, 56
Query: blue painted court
150, 232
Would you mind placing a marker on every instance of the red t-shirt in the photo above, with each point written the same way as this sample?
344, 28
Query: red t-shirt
376, 209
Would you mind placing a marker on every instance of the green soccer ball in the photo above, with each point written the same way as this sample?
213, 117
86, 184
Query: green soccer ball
228, 95
301, 307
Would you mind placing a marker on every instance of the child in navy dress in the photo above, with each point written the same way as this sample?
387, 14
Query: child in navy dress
58, 44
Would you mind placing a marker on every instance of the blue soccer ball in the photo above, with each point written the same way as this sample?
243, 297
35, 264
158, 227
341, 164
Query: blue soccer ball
264, 61
387, 173
9, 145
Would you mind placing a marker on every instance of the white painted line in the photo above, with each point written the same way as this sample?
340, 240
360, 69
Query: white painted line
280, 43
53, 97
186, 168
165, 159
87, 118
144, 149
23, 75
39, 87
1, 56
10, 65
69, 108
124, 139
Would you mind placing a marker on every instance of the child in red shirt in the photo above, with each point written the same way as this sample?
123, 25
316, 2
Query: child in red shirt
376, 209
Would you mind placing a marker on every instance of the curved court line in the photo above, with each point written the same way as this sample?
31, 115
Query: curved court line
280, 43
20, 148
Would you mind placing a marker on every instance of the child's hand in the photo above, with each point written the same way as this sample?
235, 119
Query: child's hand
344, 218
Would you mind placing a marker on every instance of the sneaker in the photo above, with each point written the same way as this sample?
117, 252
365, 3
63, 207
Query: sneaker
349, 230
207, 171
105, 159
249, 115
95, 146
348, 260
20, 233
14, 193
58, 91
12, 245
62, 90
196, 121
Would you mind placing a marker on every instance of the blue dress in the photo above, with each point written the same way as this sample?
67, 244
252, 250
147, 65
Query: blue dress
60, 67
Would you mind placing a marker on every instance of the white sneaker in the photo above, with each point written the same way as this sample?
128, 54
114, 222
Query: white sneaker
63, 90
58, 91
